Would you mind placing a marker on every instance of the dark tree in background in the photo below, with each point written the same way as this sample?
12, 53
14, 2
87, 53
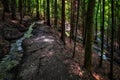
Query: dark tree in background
112, 39
48, 12
21, 10
96, 19
84, 11
13, 9
77, 6
6, 7
55, 14
102, 34
37, 9
63, 21
73, 18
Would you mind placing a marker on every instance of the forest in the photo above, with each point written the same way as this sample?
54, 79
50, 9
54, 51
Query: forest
59, 40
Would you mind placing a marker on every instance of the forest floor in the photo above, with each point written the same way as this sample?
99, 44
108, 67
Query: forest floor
47, 58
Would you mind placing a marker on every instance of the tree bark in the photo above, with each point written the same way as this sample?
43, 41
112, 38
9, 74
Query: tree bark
37, 9
6, 7
102, 34
63, 21
21, 10
77, 17
13, 9
55, 14
89, 35
48, 13
112, 39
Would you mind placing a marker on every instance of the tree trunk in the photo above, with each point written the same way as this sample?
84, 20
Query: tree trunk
48, 13
102, 35
21, 11
89, 35
44, 9
112, 39
13, 9
25, 6
63, 21
96, 27
37, 9
73, 19
83, 21
55, 14
78, 6
6, 7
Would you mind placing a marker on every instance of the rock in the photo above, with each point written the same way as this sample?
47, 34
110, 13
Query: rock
11, 33
17, 25
4, 47
22, 28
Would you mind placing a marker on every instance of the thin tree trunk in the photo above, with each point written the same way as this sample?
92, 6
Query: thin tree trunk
44, 9
83, 22
37, 9
102, 35
63, 21
25, 6
112, 40
21, 10
55, 14
48, 13
71, 22
96, 29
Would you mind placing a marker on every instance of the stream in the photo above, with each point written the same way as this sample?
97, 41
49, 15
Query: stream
11, 60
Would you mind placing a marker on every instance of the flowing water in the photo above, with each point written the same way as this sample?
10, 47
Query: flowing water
13, 58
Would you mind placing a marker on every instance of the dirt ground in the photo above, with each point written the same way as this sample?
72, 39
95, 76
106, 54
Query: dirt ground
46, 58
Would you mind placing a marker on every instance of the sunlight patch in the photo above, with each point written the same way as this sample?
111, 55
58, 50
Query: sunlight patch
48, 40
97, 77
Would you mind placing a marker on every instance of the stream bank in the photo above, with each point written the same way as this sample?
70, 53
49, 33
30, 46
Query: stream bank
9, 63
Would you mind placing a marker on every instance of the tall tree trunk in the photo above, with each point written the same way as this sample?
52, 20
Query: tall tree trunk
71, 21
89, 35
118, 25
13, 9
6, 7
55, 14
96, 27
83, 21
112, 39
21, 10
25, 6
78, 6
102, 34
63, 21
37, 9
48, 13
44, 9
